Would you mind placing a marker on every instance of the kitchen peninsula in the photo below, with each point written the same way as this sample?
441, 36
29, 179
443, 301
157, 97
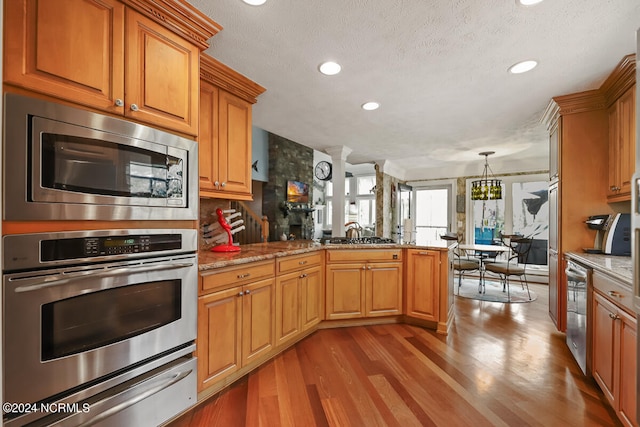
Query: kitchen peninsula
255, 303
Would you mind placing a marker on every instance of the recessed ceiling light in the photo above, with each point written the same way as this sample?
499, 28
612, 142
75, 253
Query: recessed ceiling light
255, 2
370, 106
330, 68
528, 2
523, 67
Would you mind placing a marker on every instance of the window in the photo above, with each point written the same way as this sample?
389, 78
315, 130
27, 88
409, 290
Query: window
432, 215
360, 202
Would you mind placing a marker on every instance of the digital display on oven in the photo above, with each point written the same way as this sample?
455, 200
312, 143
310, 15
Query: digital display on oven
119, 242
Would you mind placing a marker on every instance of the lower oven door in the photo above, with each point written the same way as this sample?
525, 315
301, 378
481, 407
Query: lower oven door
69, 328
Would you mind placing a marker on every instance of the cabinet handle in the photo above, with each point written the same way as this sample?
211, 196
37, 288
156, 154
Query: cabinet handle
614, 316
134, 107
243, 276
119, 102
423, 253
302, 276
247, 292
302, 262
615, 294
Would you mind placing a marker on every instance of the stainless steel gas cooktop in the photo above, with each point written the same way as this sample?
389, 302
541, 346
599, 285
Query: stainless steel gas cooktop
369, 240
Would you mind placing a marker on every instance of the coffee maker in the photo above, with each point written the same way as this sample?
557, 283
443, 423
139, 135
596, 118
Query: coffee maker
601, 224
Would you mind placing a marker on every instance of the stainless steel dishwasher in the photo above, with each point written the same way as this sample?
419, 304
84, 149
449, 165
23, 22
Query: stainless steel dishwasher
578, 289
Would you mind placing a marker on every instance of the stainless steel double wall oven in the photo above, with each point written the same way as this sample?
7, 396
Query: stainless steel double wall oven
100, 323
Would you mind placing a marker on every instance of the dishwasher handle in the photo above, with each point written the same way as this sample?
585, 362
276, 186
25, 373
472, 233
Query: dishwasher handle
577, 275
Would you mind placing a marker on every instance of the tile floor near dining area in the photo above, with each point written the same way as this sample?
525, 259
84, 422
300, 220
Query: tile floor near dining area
500, 365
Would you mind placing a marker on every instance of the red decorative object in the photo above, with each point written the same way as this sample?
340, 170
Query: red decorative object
229, 247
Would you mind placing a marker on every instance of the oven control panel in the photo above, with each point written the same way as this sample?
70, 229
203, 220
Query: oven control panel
87, 247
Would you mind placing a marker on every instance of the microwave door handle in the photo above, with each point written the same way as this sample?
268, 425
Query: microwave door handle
58, 280
156, 386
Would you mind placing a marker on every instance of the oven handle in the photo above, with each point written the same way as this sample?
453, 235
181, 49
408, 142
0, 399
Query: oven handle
117, 271
153, 389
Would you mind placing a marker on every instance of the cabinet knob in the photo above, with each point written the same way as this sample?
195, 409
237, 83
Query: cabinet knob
134, 107
302, 262
119, 102
240, 294
223, 184
243, 276
247, 292
614, 316
216, 184
302, 276
364, 267
368, 267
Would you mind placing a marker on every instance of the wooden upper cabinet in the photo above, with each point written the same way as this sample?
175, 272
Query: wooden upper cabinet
226, 99
622, 142
162, 76
134, 58
72, 50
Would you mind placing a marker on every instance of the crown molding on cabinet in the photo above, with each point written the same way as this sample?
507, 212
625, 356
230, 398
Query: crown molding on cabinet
180, 17
617, 83
218, 74
620, 80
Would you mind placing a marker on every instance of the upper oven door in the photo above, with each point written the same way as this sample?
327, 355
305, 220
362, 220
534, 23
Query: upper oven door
72, 164
66, 327
66, 163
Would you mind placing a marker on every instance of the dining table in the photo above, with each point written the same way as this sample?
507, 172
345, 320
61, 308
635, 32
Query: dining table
483, 253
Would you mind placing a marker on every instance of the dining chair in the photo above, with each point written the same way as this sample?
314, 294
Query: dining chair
462, 263
516, 265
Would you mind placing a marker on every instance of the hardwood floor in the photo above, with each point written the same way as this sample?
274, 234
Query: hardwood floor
500, 365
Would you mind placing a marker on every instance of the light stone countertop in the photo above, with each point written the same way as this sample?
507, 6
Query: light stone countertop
209, 260
618, 267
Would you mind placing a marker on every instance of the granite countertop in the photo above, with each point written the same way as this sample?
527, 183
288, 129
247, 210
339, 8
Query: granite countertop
619, 267
209, 260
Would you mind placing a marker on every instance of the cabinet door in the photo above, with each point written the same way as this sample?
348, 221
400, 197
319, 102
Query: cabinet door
627, 135
162, 76
72, 50
258, 319
345, 291
311, 290
613, 186
383, 292
604, 333
208, 137
628, 368
219, 328
423, 279
288, 298
234, 165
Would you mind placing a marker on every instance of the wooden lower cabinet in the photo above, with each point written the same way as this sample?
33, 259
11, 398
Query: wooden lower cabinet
235, 326
297, 303
614, 357
363, 290
423, 284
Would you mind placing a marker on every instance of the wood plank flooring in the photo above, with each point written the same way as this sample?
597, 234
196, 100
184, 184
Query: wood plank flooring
500, 365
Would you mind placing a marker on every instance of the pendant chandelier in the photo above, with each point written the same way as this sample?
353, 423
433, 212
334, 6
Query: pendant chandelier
486, 188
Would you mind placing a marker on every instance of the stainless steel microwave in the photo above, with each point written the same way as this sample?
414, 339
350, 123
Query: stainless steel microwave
62, 162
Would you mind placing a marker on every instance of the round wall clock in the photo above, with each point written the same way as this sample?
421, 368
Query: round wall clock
323, 171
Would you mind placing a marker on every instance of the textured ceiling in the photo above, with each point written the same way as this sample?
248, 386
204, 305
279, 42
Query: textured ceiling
438, 68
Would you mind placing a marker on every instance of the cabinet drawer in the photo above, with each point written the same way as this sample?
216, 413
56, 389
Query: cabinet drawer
237, 275
365, 255
299, 262
614, 290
